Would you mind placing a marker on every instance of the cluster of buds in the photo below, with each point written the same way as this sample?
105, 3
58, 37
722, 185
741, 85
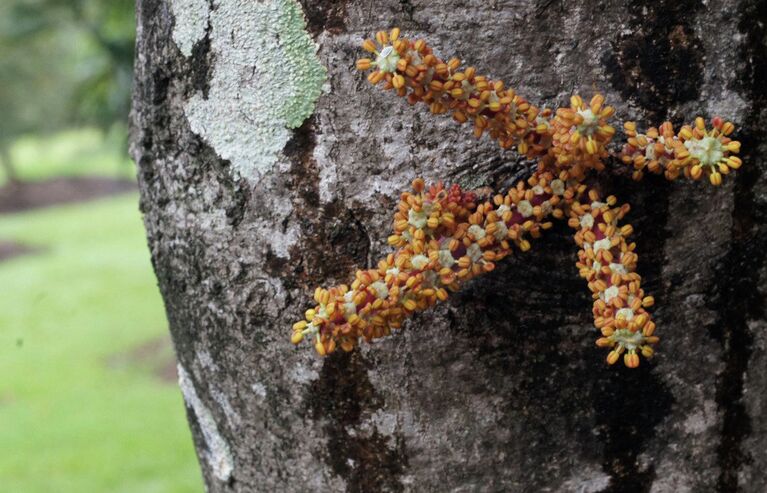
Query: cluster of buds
580, 136
608, 262
413, 70
446, 236
694, 151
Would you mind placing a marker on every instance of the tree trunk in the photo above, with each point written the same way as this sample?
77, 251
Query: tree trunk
253, 193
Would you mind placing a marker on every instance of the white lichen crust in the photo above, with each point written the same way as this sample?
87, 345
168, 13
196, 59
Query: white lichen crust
190, 19
266, 78
218, 453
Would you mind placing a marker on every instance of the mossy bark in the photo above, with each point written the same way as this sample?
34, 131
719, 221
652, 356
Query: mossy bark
501, 387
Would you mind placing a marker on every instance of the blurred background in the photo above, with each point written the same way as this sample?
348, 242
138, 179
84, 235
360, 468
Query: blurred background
88, 395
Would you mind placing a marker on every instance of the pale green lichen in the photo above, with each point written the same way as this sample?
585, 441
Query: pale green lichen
266, 79
190, 19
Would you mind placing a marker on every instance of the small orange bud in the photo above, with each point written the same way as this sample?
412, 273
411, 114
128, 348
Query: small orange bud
320, 348
647, 351
382, 37
409, 305
613, 356
631, 360
369, 45
604, 342
696, 172
297, 337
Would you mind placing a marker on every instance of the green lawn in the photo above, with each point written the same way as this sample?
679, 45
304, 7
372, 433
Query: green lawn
71, 419
76, 152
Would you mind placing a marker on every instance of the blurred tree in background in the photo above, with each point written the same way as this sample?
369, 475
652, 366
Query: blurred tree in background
64, 63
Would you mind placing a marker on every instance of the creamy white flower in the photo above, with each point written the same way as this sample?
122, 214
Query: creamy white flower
477, 231
525, 208
603, 244
609, 294
417, 219
616, 268
381, 290
501, 231
474, 252
625, 313
387, 59
419, 261
446, 258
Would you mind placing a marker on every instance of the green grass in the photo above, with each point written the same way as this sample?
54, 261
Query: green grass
75, 152
70, 421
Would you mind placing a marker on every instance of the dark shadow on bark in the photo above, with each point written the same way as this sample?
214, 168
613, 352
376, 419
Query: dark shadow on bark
738, 272
367, 461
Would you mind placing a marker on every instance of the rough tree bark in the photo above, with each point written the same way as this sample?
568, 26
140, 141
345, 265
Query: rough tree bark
249, 205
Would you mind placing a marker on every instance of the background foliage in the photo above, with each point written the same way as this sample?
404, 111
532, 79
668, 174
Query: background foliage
88, 397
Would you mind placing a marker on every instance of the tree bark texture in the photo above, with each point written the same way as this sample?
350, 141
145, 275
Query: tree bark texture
500, 388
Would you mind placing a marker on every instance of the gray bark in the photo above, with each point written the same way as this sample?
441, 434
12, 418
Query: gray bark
501, 387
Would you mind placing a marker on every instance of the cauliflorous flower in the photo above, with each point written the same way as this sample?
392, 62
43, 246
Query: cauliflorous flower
694, 151
412, 70
445, 236
581, 135
608, 262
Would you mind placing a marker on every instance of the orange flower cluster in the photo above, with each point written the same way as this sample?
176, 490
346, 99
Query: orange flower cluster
608, 263
575, 138
694, 151
580, 136
445, 239
412, 70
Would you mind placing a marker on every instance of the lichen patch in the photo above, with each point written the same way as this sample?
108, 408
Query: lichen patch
218, 453
266, 78
190, 21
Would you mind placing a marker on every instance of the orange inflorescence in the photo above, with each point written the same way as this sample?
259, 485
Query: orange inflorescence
445, 237
412, 70
581, 134
694, 151
608, 262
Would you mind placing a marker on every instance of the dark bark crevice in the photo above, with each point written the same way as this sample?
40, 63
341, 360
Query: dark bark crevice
340, 399
340, 242
739, 270
326, 16
630, 405
659, 62
203, 58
